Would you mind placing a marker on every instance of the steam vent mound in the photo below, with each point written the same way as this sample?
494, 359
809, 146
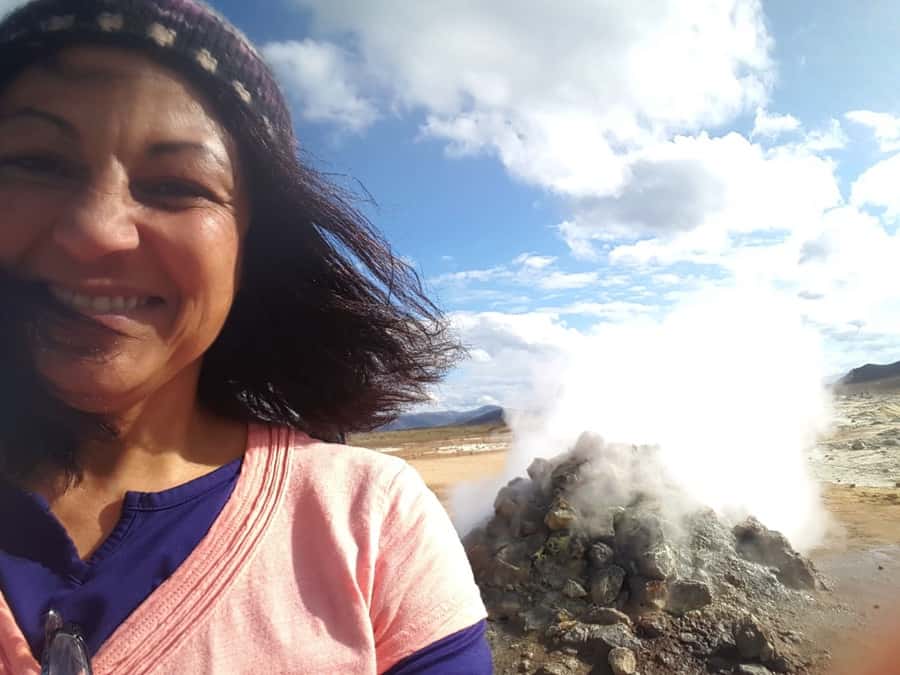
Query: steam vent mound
582, 574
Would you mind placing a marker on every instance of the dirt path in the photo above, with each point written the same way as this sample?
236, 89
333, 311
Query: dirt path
863, 517
441, 473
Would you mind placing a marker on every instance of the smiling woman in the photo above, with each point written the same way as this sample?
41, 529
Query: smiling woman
186, 309
127, 205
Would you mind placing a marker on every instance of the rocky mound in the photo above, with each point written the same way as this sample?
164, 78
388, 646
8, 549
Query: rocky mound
596, 563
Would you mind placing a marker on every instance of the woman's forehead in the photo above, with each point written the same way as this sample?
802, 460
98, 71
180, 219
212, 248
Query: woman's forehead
90, 82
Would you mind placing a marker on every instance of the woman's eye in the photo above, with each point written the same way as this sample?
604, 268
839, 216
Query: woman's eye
42, 166
178, 192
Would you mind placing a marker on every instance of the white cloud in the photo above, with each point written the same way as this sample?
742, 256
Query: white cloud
878, 186
322, 80
616, 311
828, 138
557, 280
772, 125
667, 279
560, 93
465, 276
516, 343
886, 127
479, 356
534, 261
578, 238
527, 269
691, 193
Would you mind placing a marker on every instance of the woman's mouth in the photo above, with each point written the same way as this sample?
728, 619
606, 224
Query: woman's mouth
102, 304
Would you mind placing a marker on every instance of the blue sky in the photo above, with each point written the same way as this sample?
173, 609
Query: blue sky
554, 172
557, 171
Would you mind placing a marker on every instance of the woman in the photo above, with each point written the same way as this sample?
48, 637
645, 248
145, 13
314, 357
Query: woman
185, 307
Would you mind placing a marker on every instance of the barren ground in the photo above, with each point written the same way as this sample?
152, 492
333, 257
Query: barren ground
858, 466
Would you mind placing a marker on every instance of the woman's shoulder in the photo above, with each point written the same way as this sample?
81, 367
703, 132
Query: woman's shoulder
335, 470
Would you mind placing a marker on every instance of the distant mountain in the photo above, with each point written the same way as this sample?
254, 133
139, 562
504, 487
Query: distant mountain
871, 376
426, 420
495, 415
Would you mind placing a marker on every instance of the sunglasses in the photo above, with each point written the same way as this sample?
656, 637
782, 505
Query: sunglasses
65, 652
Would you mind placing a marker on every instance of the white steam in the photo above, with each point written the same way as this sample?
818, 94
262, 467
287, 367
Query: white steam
729, 385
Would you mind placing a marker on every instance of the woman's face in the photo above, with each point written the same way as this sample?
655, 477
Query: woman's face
120, 192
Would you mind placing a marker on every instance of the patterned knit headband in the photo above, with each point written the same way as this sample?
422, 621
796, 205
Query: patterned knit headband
186, 34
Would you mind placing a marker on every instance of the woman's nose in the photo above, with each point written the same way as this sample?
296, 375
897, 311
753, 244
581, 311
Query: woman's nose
100, 222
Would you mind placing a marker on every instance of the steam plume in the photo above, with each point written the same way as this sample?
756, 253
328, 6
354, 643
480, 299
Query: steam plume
729, 385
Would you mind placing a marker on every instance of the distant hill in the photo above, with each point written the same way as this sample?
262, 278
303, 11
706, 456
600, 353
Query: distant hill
871, 376
426, 420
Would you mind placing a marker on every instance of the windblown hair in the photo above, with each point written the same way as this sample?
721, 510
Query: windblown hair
330, 332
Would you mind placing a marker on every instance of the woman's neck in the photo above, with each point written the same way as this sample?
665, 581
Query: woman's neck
164, 442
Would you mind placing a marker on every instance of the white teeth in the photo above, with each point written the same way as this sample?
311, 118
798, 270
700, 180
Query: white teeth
101, 304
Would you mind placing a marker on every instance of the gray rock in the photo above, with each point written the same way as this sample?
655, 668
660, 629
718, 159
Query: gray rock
686, 595
554, 669
539, 470
637, 533
529, 527
622, 661
505, 505
652, 624
561, 515
566, 475
502, 573
519, 552
752, 641
752, 669
606, 584
536, 618
512, 498
572, 589
657, 563
555, 572
605, 616
599, 524
857, 445
600, 555
758, 544
649, 594
592, 639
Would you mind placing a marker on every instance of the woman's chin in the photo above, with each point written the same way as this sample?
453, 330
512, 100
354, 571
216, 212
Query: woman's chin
118, 384
92, 387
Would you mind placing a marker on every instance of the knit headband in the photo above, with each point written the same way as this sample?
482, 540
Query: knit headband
186, 35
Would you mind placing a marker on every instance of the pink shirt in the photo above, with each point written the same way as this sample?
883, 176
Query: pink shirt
326, 559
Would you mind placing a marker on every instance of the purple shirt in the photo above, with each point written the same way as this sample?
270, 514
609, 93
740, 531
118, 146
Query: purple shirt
40, 568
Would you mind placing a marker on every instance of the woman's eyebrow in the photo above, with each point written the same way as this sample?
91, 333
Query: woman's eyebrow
29, 112
177, 147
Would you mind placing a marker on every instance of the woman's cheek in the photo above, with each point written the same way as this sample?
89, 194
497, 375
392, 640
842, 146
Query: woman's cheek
25, 213
203, 259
